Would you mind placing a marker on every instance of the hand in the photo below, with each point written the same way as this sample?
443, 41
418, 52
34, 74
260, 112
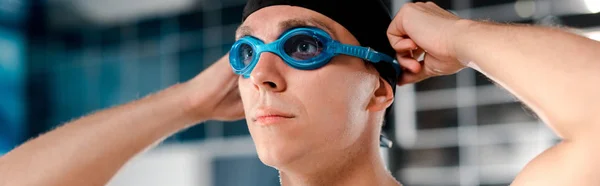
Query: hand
214, 94
425, 28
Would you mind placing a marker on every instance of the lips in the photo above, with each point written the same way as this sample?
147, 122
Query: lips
270, 116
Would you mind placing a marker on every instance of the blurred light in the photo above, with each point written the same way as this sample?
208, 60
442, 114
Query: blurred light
593, 5
525, 8
115, 11
595, 35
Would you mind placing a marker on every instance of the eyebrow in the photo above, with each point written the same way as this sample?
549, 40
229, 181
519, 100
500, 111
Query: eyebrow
245, 30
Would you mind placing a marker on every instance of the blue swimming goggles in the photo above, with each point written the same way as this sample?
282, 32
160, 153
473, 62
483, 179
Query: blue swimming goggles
305, 48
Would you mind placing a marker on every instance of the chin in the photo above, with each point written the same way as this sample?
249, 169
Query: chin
279, 155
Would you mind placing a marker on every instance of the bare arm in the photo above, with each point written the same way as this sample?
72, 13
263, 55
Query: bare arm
90, 150
550, 70
554, 72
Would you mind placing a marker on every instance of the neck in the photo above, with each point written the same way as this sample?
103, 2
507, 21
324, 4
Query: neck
364, 167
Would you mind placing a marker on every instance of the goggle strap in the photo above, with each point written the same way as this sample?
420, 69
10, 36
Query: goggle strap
355, 51
366, 53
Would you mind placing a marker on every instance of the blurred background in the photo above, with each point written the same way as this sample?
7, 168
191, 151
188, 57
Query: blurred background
61, 59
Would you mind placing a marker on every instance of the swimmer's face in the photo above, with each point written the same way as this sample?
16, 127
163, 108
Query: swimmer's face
296, 116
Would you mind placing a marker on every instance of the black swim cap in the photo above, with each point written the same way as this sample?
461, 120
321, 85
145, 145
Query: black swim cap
367, 20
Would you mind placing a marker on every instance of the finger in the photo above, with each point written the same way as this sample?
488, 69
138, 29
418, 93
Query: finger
406, 53
396, 30
432, 7
430, 64
410, 64
430, 3
401, 44
427, 70
409, 78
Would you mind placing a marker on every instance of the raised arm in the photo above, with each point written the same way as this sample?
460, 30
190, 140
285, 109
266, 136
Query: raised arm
90, 150
554, 72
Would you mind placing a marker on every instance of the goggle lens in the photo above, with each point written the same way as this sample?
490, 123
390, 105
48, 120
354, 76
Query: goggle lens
303, 47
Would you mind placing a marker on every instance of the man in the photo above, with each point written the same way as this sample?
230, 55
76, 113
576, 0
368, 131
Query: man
549, 70
317, 126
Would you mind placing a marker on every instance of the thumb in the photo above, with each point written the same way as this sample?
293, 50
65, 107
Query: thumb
427, 70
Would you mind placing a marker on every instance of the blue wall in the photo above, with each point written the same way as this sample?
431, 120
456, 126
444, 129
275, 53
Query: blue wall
12, 73
11, 88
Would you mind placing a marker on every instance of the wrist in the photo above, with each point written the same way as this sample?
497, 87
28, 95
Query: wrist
188, 102
461, 40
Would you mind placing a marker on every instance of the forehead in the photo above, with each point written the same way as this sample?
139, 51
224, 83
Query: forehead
269, 22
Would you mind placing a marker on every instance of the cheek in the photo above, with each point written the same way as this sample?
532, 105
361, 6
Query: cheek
335, 102
247, 94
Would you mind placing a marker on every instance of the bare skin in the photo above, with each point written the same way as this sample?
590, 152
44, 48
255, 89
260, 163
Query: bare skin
90, 150
333, 135
318, 146
549, 70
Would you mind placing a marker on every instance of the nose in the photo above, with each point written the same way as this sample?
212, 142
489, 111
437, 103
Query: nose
267, 74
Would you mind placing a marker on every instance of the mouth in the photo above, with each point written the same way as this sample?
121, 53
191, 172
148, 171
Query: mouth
269, 116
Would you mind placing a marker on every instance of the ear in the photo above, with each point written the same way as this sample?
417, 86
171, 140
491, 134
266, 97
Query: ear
382, 97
